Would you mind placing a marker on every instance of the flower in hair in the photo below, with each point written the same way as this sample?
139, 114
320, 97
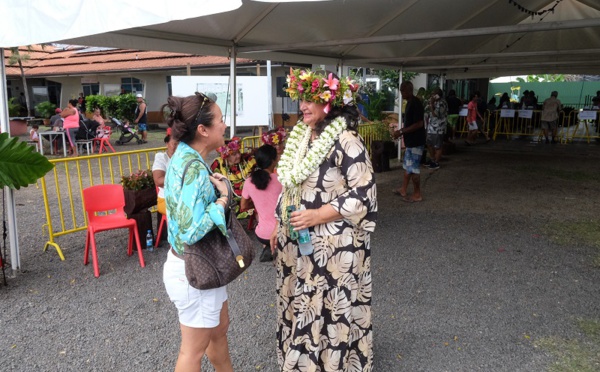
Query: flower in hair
230, 148
316, 86
274, 138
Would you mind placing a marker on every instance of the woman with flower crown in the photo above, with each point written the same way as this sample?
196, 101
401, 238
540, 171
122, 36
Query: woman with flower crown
236, 166
324, 296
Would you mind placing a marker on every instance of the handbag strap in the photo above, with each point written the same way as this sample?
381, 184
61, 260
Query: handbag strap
237, 252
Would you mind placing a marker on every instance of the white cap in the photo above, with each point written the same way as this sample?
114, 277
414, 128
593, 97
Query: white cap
139, 95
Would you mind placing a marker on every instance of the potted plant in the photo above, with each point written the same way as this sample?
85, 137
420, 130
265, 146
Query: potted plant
383, 147
139, 190
45, 110
13, 107
18, 125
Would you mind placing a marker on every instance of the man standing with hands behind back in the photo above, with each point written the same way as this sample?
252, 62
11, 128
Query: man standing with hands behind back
141, 117
414, 140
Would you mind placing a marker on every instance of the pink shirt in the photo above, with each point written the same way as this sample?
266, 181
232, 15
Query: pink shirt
472, 113
71, 121
265, 202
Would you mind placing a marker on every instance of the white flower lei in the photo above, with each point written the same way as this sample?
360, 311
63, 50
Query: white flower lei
297, 162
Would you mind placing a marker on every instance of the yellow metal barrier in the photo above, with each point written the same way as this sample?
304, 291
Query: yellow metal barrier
583, 129
369, 133
462, 127
251, 143
63, 189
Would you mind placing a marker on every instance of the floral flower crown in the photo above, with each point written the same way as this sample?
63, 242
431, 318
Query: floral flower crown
230, 148
274, 138
316, 86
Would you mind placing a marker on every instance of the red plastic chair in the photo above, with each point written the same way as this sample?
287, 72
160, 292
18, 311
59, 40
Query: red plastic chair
103, 142
107, 198
163, 221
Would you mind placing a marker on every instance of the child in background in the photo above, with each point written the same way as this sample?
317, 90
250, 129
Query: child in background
263, 189
33, 133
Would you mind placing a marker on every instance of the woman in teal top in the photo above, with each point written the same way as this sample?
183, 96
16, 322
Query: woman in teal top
193, 209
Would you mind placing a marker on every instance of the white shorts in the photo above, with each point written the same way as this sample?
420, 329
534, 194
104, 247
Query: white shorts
197, 308
473, 125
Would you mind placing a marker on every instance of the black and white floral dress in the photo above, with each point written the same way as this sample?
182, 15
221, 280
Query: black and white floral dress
324, 299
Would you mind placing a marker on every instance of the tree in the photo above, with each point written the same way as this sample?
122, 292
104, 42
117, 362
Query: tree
390, 79
545, 78
16, 57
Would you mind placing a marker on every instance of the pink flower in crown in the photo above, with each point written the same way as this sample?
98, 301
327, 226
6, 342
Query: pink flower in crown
331, 82
300, 88
315, 86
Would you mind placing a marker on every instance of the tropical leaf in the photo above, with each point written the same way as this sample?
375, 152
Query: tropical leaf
20, 165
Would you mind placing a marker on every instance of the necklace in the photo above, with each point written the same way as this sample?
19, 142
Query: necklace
299, 160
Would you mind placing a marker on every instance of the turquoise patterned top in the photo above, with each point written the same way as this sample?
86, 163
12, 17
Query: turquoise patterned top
191, 209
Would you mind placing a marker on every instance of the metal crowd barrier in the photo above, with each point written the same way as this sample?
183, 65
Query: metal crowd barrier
250, 143
578, 128
62, 189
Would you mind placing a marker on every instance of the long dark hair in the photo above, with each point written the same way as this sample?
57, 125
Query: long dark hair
187, 113
350, 113
264, 156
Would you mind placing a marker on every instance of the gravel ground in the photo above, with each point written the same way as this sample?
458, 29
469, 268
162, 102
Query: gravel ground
467, 280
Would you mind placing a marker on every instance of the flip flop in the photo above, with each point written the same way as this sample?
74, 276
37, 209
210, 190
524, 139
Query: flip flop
411, 200
397, 192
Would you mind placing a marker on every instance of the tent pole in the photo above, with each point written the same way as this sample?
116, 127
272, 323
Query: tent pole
233, 89
15, 258
270, 94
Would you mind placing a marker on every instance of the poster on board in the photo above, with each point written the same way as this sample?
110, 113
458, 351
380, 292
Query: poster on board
252, 106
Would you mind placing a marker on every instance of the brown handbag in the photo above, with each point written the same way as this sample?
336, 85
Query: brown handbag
216, 260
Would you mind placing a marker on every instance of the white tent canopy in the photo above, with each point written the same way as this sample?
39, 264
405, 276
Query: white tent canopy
461, 38
457, 38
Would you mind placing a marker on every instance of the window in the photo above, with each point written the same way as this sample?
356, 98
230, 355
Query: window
131, 85
90, 89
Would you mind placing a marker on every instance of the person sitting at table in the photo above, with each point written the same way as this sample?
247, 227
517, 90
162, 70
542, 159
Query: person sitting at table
70, 117
56, 121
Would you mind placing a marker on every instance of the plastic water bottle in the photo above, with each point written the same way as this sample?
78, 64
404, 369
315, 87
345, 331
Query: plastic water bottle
149, 243
304, 242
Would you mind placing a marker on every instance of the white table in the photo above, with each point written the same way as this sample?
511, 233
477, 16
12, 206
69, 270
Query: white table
51, 135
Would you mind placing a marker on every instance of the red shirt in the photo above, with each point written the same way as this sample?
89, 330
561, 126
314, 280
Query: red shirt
472, 113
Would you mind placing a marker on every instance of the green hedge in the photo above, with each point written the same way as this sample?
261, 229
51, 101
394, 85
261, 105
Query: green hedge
120, 107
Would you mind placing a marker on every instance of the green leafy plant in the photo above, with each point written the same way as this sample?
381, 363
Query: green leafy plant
45, 109
139, 180
121, 107
13, 107
382, 131
20, 165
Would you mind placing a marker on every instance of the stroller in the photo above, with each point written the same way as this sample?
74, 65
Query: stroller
127, 134
87, 129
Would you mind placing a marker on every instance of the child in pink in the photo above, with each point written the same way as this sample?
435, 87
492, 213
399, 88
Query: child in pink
263, 189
